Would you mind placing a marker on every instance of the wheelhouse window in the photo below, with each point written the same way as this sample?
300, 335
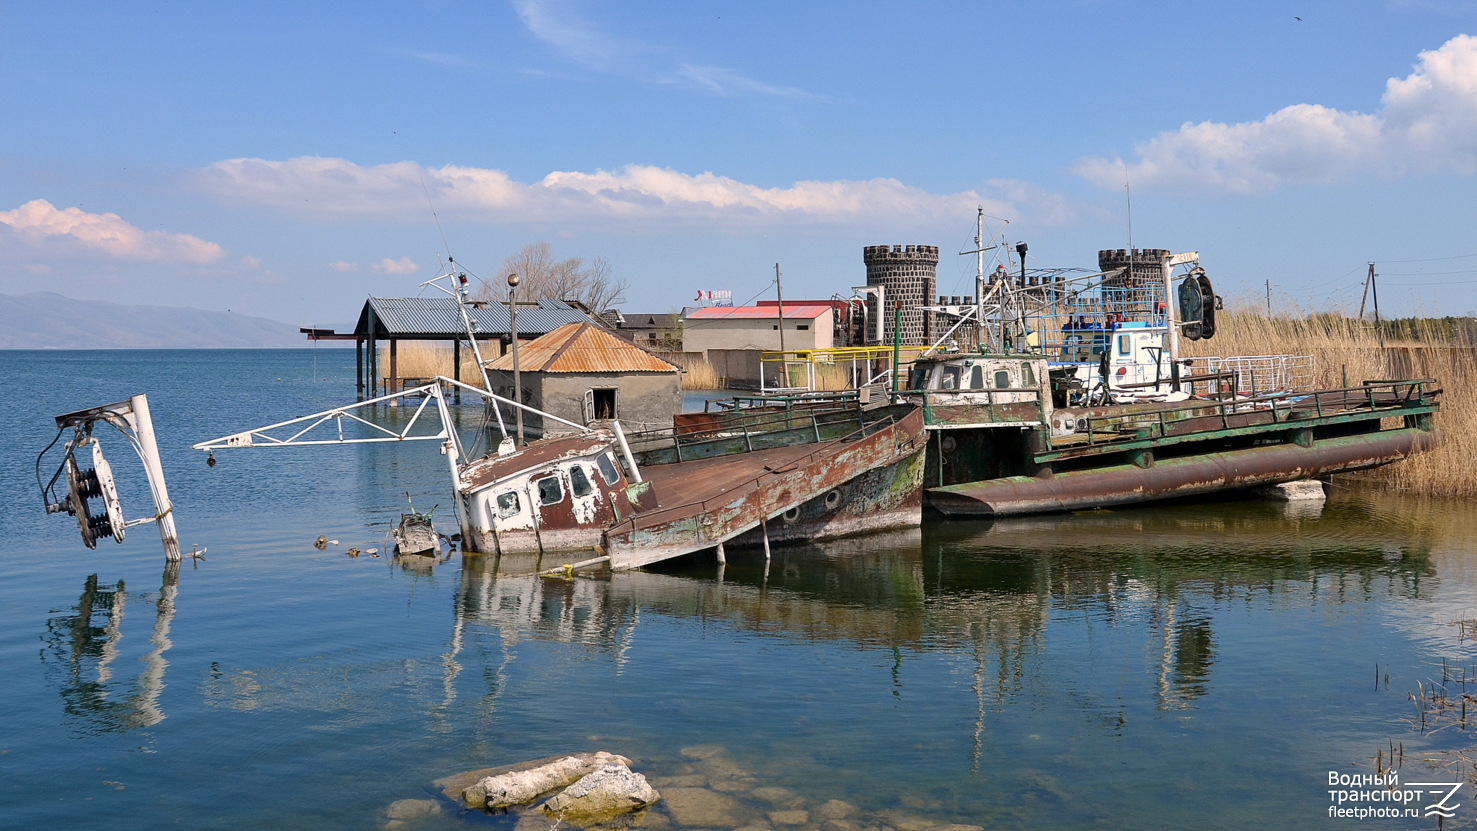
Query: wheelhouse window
1002, 379
507, 504
950, 378
579, 483
977, 378
550, 490
1125, 347
1028, 375
607, 469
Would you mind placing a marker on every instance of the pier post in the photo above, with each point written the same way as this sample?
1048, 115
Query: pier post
764, 526
722, 560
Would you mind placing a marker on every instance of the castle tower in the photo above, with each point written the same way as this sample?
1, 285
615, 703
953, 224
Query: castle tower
1141, 284
909, 275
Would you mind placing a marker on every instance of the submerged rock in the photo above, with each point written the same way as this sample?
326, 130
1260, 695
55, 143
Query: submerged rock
611, 790
524, 782
412, 808
700, 807
836, 809
779, 797
789, 818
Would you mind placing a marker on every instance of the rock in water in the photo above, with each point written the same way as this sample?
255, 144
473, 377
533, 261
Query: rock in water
611, 790
504, 787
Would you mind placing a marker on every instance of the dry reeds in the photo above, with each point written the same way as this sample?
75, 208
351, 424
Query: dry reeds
419, 359
1344, 347
697, 372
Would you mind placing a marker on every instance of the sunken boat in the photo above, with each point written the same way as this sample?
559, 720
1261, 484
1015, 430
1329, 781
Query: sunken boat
763, 475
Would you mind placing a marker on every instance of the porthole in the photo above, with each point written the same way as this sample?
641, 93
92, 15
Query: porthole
832, 499
791, 515
949, 444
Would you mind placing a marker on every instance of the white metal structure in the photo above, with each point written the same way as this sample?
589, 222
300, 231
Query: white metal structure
131, 417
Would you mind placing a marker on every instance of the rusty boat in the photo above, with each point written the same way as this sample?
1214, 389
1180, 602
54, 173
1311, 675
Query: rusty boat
1000, 447
1077, 397
821, 472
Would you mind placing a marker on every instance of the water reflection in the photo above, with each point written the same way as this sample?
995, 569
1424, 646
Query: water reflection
81, 645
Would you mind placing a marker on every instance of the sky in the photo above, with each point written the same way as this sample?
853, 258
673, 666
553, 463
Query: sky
288, 160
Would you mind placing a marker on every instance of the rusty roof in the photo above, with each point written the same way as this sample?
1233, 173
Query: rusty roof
582, 347
794, 311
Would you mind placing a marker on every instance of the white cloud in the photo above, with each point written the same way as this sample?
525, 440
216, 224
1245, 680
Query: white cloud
250, 261
39, 223
401, 266
1428, 123
344, 267
556, 23
634, 193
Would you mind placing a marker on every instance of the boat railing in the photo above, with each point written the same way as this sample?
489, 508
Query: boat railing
1253, 375
657, 517
752, 429
1392, 396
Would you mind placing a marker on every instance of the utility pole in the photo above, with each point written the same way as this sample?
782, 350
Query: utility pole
1269, 298
780, 292
1371, 289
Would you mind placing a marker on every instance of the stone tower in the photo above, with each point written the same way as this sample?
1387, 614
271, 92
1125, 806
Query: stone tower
908, 275
1141, 284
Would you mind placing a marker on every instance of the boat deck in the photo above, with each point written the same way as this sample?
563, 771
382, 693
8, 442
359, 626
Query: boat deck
697, 483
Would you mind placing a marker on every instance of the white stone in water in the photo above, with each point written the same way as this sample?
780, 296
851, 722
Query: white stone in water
526, 783
1293, 491
613, 789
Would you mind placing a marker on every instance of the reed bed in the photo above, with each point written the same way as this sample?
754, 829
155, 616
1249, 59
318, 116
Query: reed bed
427, 359
1344, 347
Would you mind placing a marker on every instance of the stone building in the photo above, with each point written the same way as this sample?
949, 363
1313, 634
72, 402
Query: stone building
585, 374
907, 275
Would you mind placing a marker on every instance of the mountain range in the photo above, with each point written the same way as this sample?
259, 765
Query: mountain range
46, 320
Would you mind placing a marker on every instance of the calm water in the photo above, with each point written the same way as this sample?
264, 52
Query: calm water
1196, 666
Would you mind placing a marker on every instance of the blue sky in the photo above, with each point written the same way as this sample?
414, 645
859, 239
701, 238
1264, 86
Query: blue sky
277, 160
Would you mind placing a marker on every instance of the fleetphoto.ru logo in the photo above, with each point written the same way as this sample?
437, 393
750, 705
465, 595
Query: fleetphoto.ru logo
1366, 796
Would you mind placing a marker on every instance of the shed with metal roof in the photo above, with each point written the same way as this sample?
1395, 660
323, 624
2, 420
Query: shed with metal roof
394, 319
585, 374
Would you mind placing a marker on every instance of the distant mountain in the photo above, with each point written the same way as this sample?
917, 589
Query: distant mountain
46, 320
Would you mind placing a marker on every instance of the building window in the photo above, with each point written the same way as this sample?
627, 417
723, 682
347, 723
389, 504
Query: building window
802, 326
603, 403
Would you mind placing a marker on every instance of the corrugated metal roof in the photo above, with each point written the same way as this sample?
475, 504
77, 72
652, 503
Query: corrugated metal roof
439, 316
581, 347
793, 311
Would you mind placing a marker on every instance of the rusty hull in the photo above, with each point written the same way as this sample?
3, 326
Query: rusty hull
1187, 476
877, 473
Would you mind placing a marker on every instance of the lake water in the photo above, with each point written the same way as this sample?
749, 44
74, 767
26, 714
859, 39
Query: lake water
1193, 666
